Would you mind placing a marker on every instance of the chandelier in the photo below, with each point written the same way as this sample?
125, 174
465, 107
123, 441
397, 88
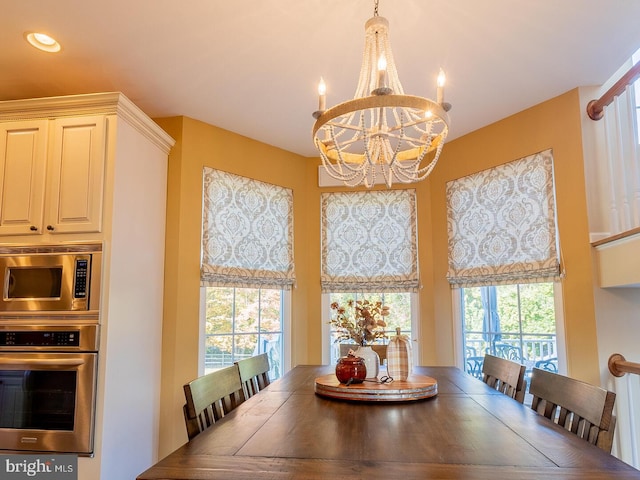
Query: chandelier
381, 132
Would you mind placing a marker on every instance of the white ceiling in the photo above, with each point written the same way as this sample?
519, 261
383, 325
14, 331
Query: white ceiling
252, 67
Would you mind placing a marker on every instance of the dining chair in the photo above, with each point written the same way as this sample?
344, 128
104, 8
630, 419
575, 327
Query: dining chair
581, 408
504, 375
210, 397
380, 349
254, 374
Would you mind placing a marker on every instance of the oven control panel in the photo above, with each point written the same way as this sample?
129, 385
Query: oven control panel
42, 338
69, 338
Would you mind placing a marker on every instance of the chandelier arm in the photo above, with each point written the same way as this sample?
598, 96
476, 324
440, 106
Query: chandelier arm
416, 141
339, 145
413, 124
352, 168
346, 127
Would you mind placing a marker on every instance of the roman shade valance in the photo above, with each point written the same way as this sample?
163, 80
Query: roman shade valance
247, 232
369, 241
502, 224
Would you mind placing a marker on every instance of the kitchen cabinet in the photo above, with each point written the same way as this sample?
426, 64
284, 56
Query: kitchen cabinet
23, 161
94, 167
52, 175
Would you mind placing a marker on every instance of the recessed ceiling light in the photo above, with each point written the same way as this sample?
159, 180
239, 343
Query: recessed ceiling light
42, 42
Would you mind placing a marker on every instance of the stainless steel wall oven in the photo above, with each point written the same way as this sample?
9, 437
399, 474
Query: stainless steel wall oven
48, 387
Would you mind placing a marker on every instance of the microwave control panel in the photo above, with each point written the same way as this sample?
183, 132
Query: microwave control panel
80, 288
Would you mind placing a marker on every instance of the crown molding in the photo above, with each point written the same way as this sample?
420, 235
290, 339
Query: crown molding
109, 103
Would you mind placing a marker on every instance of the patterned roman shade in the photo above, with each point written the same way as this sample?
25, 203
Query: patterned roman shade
247, 232
502, 224
369, 242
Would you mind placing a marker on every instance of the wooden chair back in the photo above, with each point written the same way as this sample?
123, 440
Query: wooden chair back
381, 350
505, 376
211, 397
254, 374
581, 408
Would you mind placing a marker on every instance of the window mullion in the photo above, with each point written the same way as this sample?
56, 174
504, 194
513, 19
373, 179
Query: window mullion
233, 327
520, 328
259, 320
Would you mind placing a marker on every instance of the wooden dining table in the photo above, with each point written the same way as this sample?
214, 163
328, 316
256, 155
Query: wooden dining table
466, 431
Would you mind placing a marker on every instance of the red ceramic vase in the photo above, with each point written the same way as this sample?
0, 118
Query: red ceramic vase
351, 369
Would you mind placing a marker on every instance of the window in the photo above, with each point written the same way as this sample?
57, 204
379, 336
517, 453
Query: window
516, 322
400, 315
243, 322
504, 263
247, 270
370, 245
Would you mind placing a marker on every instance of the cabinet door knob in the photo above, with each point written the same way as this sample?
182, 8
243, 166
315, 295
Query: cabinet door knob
50, 228
33, 228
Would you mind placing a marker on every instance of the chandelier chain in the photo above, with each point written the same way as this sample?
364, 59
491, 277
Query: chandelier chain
375, 8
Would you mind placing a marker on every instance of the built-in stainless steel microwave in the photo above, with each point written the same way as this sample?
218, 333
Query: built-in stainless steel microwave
56, 282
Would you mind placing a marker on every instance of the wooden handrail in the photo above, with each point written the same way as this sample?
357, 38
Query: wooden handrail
595, 108
617, 236
618, 366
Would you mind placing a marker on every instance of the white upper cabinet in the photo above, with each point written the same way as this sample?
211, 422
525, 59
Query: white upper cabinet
52, 175
76, 175
23, 161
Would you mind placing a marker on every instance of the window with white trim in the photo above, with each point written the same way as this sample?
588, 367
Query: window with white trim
247, 270
241, 323
517, 322
504, 258
401, 315
370, 251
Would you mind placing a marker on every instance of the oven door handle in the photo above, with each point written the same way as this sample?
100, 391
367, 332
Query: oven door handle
42, 362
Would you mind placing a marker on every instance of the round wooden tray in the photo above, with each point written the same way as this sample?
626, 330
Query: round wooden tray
416, 387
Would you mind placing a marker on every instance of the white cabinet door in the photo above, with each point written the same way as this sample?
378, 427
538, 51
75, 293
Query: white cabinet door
76, 175
23, 155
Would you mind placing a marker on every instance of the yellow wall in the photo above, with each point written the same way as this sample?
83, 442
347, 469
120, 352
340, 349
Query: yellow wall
554, 124
198, 145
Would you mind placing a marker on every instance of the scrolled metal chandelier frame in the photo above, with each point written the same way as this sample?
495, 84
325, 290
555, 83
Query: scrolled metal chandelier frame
381, 131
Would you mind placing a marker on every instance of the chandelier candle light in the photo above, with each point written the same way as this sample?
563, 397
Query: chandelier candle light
381, 131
